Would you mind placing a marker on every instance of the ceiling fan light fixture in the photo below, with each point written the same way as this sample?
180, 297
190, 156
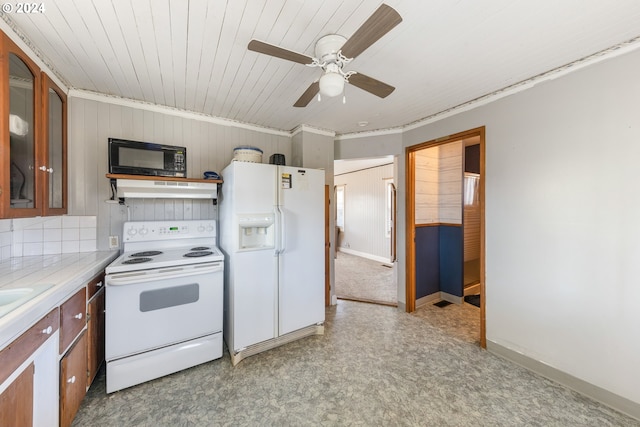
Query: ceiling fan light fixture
331, 84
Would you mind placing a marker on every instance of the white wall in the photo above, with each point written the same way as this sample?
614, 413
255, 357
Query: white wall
209, 147
365, 209
562, 226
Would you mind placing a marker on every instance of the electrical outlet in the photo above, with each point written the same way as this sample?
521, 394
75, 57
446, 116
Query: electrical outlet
113, 242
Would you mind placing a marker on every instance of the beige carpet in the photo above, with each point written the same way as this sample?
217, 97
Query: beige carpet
362, 279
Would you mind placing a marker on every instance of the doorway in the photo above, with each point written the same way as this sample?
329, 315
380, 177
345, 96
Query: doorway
365, 230
435, 229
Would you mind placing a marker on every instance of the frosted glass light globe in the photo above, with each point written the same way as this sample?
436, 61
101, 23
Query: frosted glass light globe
331, 84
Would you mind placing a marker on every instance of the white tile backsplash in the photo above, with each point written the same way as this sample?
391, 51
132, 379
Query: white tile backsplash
70, 222
70, 246
54, 222
50, 248
70, 234
31, 249
52, 234
5, 225
47, 235
32, 236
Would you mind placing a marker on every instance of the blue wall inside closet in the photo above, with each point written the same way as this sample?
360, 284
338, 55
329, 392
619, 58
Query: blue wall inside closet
439, 260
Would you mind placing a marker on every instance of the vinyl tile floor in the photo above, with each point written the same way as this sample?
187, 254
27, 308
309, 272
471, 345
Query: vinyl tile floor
374, 366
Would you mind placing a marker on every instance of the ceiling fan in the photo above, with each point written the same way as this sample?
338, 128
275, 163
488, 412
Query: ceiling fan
334, 51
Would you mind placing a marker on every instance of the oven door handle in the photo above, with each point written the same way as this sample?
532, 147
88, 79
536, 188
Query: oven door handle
162, 274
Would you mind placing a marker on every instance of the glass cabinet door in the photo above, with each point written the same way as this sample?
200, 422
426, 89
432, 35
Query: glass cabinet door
33, 138
54, 166
22, 138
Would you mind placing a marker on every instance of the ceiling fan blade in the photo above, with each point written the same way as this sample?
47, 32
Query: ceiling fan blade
383, 20
371, 85
278, 52
308, 95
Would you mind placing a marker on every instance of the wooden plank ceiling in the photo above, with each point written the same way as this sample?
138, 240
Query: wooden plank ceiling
192, 54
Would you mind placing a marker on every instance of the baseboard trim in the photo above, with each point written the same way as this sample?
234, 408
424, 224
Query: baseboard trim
365, 255
421, 302
438, 296
451, 298
617, 402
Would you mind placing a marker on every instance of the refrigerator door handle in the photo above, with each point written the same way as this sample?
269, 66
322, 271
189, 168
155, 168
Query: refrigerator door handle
283, 229
278, 214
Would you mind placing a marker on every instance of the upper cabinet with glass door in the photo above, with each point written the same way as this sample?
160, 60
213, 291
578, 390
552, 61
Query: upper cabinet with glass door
32, 138
54, 166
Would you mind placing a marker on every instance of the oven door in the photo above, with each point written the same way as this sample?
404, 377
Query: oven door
149, 309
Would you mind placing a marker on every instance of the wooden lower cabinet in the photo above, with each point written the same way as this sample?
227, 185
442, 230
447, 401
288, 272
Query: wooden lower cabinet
95, 332
73, 380
16, 402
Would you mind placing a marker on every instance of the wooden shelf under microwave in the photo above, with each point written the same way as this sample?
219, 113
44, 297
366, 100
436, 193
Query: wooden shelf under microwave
161, 178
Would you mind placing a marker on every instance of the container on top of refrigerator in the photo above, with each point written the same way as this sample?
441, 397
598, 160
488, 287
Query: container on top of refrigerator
247, 153
277, 159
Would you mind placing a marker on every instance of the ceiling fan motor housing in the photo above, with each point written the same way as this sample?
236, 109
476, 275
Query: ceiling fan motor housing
328, 46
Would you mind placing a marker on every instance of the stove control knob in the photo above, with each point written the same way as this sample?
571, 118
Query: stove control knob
201, 228
143, 231
210, 228
131, 232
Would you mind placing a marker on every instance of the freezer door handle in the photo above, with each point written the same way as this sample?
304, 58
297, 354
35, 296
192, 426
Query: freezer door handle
278, 213
283, 229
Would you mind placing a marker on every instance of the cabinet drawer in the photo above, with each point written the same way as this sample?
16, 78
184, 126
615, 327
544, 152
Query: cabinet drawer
95, 285
12, 356
73, 318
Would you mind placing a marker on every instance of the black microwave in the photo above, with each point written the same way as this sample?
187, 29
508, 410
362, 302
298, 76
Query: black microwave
146, 158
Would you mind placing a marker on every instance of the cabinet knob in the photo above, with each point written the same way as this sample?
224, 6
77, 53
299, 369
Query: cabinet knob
43, 168
78, 316
99, 284
72, 380
48, 330
50, 170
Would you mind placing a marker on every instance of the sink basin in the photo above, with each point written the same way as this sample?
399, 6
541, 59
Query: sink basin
9, 296
12, 298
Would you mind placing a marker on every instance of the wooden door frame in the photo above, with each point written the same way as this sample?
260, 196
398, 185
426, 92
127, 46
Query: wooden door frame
327, 247
410, 262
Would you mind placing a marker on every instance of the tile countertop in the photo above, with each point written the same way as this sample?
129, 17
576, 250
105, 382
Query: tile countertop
65, 273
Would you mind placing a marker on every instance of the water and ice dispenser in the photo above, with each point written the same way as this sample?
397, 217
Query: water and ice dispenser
256, 231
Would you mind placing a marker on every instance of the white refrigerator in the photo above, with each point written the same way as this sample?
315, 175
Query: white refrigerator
271, 221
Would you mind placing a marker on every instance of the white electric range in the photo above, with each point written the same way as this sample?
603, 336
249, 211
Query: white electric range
164, 301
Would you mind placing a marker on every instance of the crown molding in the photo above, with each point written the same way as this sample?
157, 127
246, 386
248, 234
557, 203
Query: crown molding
157, 108
311, 129
13, 32
370, 133
612, 52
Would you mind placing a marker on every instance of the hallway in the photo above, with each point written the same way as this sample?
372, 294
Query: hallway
363, 279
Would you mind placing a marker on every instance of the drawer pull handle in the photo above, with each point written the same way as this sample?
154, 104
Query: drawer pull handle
72, 380
48, 330
99, 284
78, 316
